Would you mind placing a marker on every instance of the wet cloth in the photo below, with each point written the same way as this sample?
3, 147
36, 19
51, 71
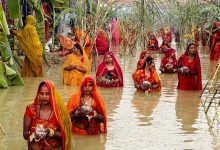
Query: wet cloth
94, 127
139, 76
193, 80
103, 72
30, 43
75, 77
59, 120
102, 43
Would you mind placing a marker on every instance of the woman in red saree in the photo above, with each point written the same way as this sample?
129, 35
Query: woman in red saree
164, 46
109, 72
143, 56
215, 42
169, 62
147, 78
102, 42
47, 124
87, 110
189, 72
152, 43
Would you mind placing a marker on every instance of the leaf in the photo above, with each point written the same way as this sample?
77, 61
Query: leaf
14, 8
3, 22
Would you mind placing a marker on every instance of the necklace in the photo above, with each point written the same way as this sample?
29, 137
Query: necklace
49, 115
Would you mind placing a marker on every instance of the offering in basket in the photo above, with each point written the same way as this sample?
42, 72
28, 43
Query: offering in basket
86, 109
146, 84
40, 131
184, 70
169, 66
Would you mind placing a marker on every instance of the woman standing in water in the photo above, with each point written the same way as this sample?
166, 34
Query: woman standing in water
147, 79
87, 109
46, 122
109, 72
76, 66
189, 72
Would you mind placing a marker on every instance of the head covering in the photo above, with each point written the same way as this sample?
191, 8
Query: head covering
74, 101
143, 53
102, 42
168, 53
30, 20
61, 113
100, 71
65, 41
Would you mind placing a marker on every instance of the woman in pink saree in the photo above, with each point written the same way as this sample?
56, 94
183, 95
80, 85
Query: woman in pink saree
115, 32
109, 72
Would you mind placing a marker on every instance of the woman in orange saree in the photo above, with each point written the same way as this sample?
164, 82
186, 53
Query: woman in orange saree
215, 42
83, 36
147, 78
87, 110
31, 46
76, 66
47, 125
66, 45
189, 72
109, 73
143, 56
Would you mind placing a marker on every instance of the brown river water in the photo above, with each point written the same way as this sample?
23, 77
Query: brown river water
169, 119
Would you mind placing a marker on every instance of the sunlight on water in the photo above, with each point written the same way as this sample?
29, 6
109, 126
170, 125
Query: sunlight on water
169, 119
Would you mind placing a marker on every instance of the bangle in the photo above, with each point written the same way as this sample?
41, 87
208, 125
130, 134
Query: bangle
95, 114
51, 133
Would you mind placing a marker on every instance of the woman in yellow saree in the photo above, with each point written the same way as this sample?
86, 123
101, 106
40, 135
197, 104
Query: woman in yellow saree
76, 66
30, 43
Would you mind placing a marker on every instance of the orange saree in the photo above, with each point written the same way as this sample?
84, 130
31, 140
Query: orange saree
94, 127
139, 76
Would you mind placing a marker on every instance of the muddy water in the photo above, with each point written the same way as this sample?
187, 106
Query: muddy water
169, 119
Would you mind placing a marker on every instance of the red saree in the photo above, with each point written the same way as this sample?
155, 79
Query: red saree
116, 73
58, 121
94, 127
164, 46
102, 43
215, 43
166, 61
192, 81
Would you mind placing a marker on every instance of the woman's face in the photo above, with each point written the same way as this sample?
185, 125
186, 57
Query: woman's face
147, 54
192, 49
76, 51
87, 89
108, 58
44, 95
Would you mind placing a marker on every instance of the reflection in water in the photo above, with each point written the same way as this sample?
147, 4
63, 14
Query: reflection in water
111, 97
187, 104
89, 142
145, 104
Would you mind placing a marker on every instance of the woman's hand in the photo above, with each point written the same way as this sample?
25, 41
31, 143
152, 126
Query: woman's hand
70, 67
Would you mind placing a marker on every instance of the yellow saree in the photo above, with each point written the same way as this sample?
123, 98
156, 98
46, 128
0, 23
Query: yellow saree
32, 48
75, 77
